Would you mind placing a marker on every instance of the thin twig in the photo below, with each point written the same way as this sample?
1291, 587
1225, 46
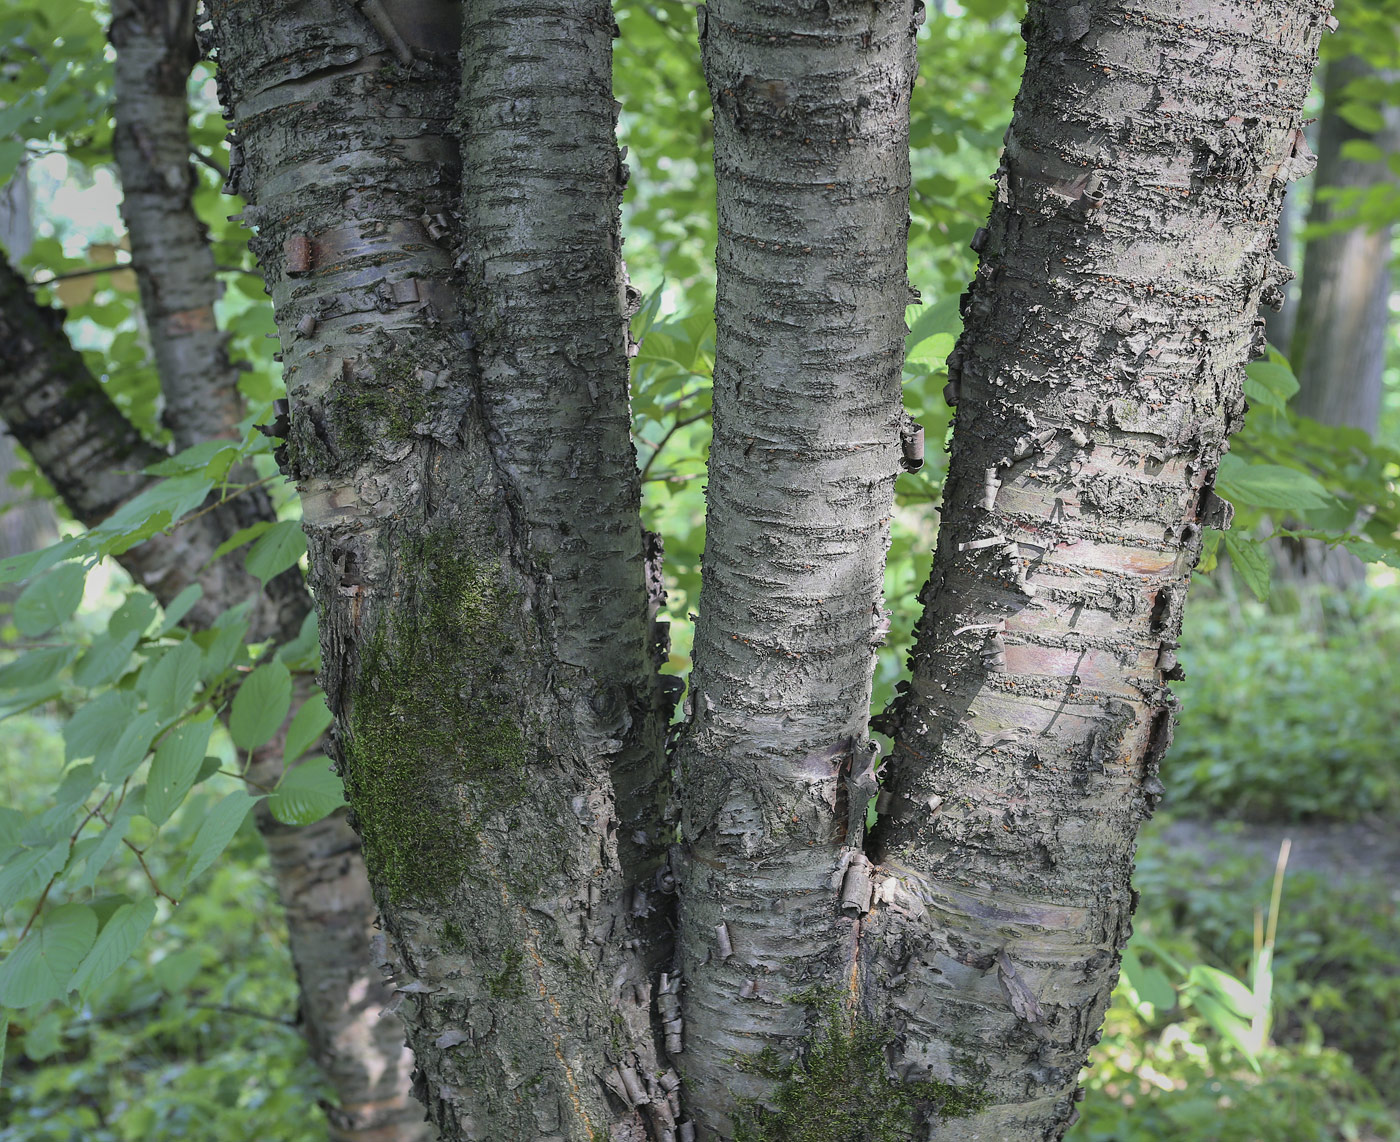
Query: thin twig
155, 885
209, 161
221, 502
670, 432
281, 1021
90, 271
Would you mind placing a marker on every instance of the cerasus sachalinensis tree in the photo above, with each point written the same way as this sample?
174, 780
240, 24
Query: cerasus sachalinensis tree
318, 870
458, 429
470, 499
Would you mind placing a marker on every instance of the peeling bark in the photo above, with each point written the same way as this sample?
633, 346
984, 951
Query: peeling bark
94, 456
1097, 381
811, 162
455, 491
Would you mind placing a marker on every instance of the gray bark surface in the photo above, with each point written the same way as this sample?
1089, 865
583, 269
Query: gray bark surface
811, 163
439, 442
1097, 380
93, 456
155, 43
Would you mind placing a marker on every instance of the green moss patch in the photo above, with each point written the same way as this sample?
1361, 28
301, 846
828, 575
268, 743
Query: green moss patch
435, 738
838, 1089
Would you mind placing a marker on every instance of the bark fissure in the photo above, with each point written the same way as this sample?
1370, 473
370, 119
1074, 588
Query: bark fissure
1097, 380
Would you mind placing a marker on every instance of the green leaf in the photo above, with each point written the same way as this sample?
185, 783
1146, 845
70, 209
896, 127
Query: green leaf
932, 352
307, 793
1270, 382
105, 660
940, 317
260, 705
135, 614
306, 728
169, 683
120, 936
41, 966
176, 765
212, 458
35, 667
225, 640
97, 725
1269, 486
176, 972
1228, 1026
18, 567
153, 510
214, 834
48, 601
240, 537
27, 870
274, 552
304, 651
118, 761
179, 607
1250, 561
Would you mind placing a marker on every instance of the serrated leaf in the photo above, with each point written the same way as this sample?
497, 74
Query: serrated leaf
18, 567
118, 761
1271, 382
1250, 562
260, 706
149, 512
179, 607
119, 937
240, 537
212, 458
168, 684
215, 833
134, 615
48, 601
306, 728
1269, 486
304, 651
27, 870
307, 793
932, 352
225, 641
177, 763
35, 667
105, 660
41, 966
98, 724
282, 545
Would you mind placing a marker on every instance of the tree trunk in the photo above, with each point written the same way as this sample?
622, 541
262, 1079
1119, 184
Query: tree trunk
93, 456
1097, 380
1339, 338
811, 164
464, 472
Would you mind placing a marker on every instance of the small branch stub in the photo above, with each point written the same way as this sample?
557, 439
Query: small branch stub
911, 444
856, 887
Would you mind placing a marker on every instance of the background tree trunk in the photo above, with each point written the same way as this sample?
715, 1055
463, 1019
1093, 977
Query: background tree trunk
474, 744
1339, 339
1097, 380
811, 164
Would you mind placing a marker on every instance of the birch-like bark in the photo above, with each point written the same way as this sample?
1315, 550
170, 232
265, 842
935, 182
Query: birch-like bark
155, 50
1097, 381
94, 458
811, 161
476, 720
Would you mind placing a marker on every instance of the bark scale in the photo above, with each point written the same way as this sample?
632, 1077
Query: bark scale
477, 717
1097, 380
811, 161
94, 456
